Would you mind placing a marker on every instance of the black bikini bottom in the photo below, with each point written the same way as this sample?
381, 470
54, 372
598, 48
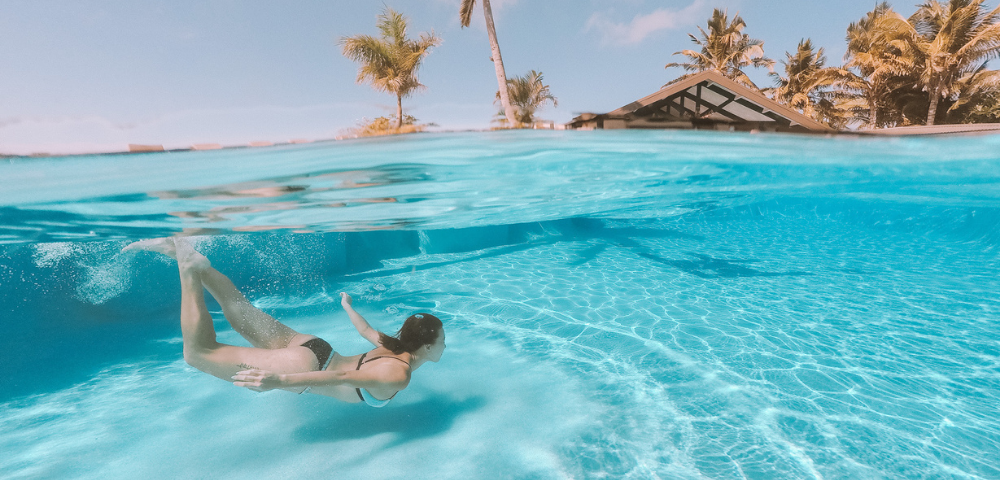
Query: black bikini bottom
321, 349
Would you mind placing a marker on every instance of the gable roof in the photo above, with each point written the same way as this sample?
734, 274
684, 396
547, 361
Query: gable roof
710, 94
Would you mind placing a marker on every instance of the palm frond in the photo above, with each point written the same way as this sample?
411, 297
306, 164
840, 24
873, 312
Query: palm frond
527, 94
392, 25
389, 63
724, 48
465, 12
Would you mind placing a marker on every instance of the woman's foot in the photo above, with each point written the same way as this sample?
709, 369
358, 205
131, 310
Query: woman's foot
163, 245
188, 257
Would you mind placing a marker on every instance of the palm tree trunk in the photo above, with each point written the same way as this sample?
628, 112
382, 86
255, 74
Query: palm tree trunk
932, 110
399, 112
498, 64
872, 112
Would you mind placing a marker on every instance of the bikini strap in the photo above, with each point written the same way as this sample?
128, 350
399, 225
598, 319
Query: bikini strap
360, 361
382, 356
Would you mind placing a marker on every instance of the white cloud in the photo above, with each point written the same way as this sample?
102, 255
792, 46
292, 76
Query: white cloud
642, 26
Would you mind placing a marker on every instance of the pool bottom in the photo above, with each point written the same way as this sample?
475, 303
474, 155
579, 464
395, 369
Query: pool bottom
778, 344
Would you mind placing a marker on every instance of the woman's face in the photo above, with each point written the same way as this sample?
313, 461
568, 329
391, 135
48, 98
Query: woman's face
437, 348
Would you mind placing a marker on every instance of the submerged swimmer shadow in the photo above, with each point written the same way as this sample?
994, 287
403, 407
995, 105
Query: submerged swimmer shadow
532, 235
410, 421
588, 255
496, 252
590, 229
705, 266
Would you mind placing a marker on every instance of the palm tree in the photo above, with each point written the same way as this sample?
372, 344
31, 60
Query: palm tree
390, 63
527, 94
884, 73
725, 49
983, 107
810, 86
978, 98
953, 44
910, 67
465, 13
802, 88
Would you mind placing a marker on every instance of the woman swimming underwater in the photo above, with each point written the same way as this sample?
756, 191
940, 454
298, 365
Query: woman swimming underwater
283, 358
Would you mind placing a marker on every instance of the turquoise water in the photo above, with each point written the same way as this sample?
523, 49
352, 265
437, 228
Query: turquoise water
618, 305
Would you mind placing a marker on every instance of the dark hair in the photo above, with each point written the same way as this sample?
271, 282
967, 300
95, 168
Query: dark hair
418, 330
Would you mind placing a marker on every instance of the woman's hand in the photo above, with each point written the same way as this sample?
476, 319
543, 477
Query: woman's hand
257, 380
358, 321
345, 300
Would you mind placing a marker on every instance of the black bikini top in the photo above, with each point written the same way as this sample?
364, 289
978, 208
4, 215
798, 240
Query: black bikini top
361, 361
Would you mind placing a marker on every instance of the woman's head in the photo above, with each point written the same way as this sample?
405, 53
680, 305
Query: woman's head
420, 330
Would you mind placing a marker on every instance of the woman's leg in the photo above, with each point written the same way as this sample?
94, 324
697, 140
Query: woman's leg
259, 328
197, 328
202, 351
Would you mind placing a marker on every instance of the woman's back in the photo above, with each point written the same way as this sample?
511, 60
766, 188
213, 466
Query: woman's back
378, 362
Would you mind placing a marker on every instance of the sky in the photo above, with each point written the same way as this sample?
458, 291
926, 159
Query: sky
81, 76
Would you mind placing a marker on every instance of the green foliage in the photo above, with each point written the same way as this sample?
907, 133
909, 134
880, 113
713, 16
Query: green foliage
988, 111
981, 106
930, 67
465, 12
880, 77
387, 125
908, 68
807, 83
725, 49
527, 94
390, 63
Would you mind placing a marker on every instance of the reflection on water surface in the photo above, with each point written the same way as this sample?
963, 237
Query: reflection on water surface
454, 181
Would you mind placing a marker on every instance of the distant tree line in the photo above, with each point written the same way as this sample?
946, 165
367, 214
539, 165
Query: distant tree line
926, 69
390, 62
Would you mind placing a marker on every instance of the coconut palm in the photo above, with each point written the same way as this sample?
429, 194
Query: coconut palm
465, 14
880, 73
390, 63
806, 79
983, 107
978, 98
953, 43
527, 94
942, 51
725, 49
810, 87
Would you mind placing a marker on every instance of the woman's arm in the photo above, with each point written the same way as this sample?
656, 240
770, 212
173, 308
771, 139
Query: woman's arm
359, 322
262, 380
